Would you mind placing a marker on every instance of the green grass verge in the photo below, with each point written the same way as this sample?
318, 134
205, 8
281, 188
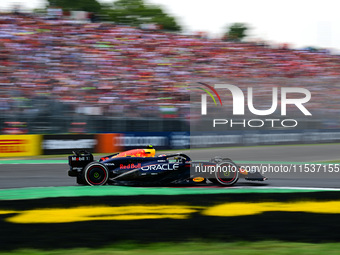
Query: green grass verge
194, 248
330, 162
108, 190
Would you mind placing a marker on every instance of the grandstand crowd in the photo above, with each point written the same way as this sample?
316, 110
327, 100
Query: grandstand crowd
115, 70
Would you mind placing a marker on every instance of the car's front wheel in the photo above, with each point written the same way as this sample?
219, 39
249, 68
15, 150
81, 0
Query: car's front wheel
96, 174
227, 173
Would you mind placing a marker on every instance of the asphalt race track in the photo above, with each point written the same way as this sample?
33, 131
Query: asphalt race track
58, 214
45, 175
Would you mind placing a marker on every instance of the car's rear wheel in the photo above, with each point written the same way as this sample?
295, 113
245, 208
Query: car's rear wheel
227, 173
96, 174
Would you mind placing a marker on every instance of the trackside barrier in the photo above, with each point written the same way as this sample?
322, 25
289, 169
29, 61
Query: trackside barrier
20, 145
274, 137
32, 145
107, 143
160, 140
65, 144
113, 142
185, 140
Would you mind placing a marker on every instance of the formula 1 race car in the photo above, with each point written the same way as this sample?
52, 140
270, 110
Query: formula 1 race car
140, 167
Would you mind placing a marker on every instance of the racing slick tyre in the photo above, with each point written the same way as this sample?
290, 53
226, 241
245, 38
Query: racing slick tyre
95, 174
217, 160
226, 174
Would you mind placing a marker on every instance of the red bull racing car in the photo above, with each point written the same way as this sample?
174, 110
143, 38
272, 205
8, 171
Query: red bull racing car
140, 167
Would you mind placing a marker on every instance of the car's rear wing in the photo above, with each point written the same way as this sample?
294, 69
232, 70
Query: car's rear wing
80, 158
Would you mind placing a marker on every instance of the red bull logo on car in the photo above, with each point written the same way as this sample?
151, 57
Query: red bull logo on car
130, 166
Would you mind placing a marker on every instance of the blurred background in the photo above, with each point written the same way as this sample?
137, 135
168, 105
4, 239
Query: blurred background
85, 67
